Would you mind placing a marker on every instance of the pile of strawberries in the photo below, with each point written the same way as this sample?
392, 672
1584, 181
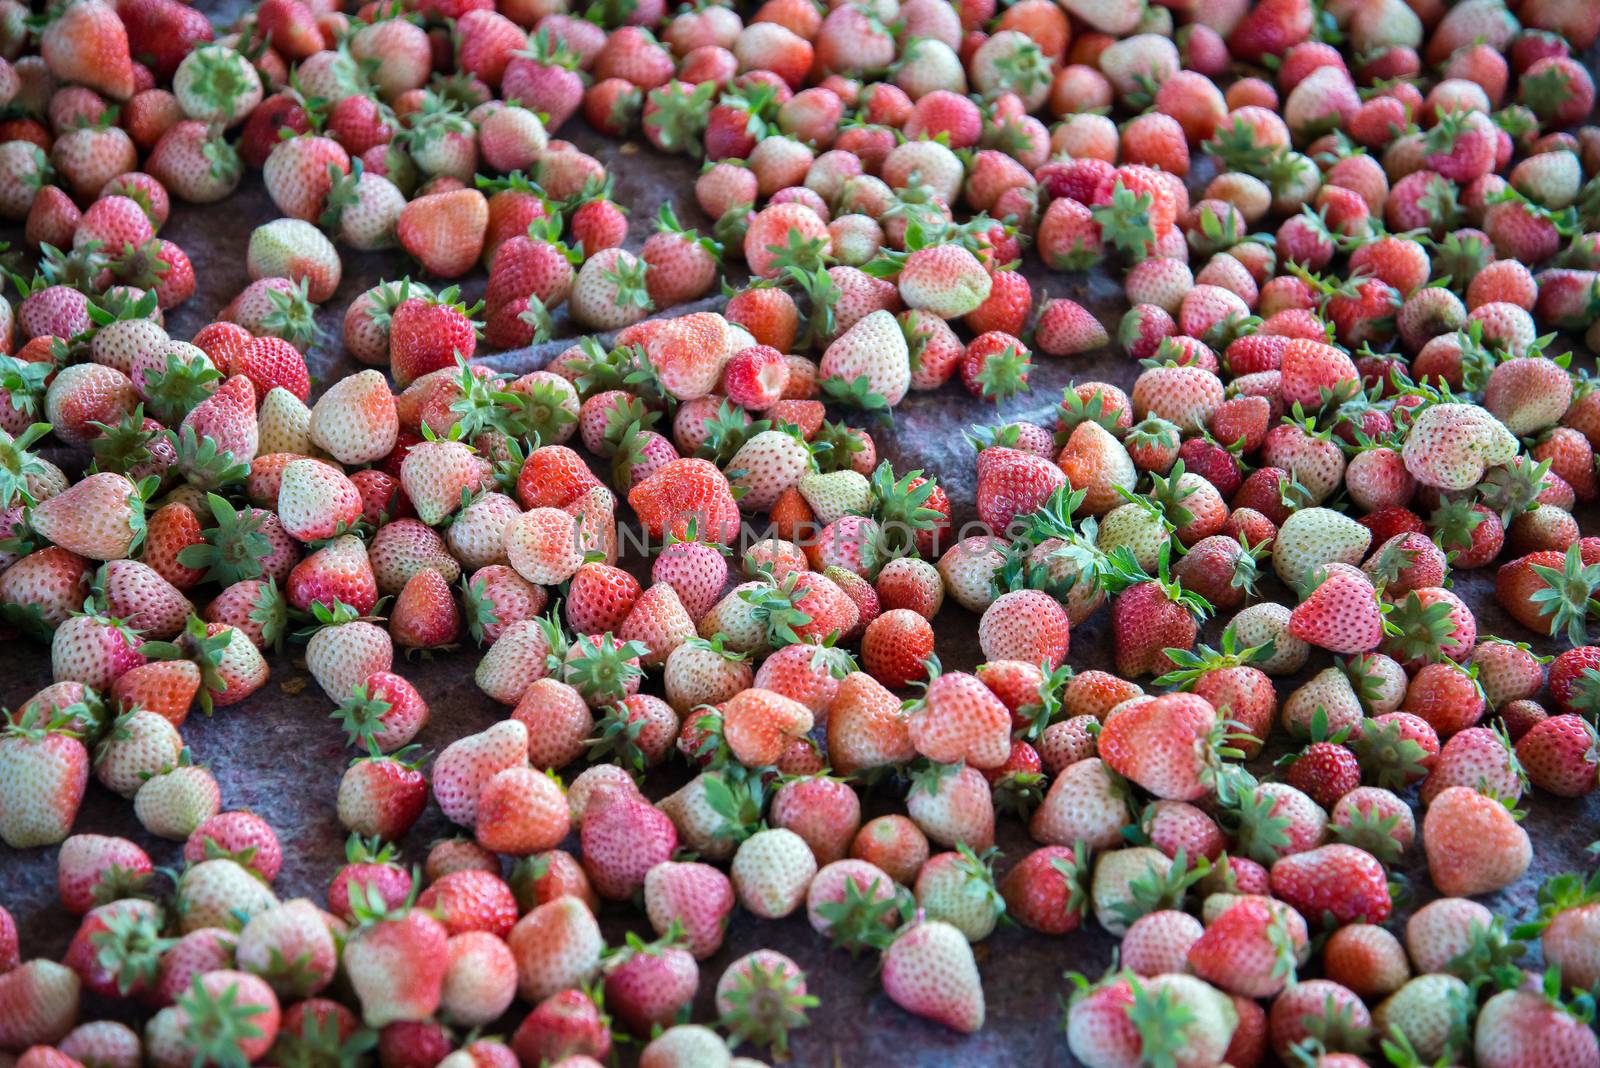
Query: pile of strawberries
1342, 229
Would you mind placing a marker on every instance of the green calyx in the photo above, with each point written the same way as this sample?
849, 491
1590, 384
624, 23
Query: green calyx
1568, 596
215, 1026
18, 464
207, 651
234, 546
1191, 665
1156, 890
866, 919
361, 715
765, 1003
602, 668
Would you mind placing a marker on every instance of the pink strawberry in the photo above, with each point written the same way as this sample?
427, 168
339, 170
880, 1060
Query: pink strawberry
45, 773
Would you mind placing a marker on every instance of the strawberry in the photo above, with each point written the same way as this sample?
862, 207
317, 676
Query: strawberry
294, 249
395, 961
1558, 755
355, 420
136, 593
953, 804
316, 501
694, 899
495, 597
682, 265
46, 772
369, 870
49, 584
703, 672
429, 334
175, 802
139, 744
293, 931
758, 723
520, 812
684, 492
101, 517
382, 796
623, 837
525, 267
94, 869
194, 164
1250, 948
610, 291
218, 84
689, 353
162, 33
1066, 328
958, 718
1367, 959
1151, 615
87, 43
94, 650
337, 573
461, 770
445, 231
1162, 745
568, 1023
1338, 880
299, 173
944, 280
958, 888
896, 646
761, 997
425, 615
1317, 1006
1341, 614
1473, 844
1313, 538
1450, 445
929, 970
755, 378
42, 997
1513, 1023
869, 364
384, 711
436, 475
542, 546
1024, 625
646, 984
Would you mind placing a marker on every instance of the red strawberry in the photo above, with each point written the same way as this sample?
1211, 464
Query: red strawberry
1341, 614
429, 334
382, 796
1165, 745
1559, 755
1338, 880
162, 32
